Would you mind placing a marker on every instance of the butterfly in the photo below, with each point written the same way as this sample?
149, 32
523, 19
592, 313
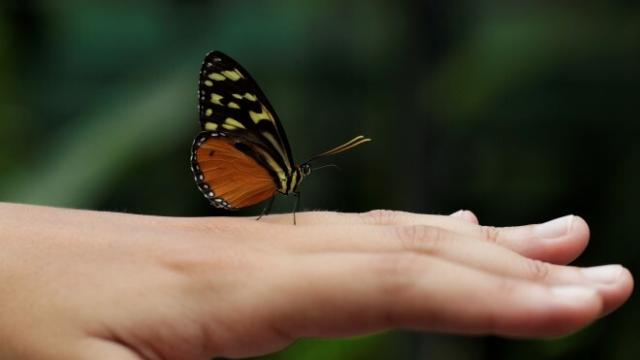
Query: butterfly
242, 156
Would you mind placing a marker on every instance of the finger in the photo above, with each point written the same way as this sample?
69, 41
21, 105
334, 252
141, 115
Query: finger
427, 293
378, 217
482, 255
466, 215
558, 241
614, 284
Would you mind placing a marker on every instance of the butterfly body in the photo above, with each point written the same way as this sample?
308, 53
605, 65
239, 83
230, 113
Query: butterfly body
242, 156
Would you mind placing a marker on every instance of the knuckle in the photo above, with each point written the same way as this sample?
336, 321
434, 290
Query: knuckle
193, 266
419, 238
536, 269
196, 263
491, 233
380, 216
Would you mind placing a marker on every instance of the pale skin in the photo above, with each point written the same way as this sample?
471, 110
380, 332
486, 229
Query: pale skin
81, 284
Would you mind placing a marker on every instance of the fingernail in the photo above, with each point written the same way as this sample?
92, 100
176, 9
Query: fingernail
554, 228
573, 293
458, 214
605, 274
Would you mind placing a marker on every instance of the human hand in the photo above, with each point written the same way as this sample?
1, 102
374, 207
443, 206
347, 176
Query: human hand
81, 284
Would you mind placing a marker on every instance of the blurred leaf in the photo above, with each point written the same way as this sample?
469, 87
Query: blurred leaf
82, 161
384, 346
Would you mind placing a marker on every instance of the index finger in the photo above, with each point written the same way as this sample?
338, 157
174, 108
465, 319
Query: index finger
558, 241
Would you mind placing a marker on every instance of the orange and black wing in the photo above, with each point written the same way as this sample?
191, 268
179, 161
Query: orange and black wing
229, 171
230, 101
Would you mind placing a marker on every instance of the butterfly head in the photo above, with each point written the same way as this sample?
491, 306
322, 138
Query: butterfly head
305, 169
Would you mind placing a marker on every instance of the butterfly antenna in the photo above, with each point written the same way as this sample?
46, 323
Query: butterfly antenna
358, 140
326, 166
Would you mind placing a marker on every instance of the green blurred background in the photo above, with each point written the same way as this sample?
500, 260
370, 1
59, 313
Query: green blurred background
520, 111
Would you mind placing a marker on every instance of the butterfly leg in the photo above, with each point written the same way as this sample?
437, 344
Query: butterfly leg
297, 207
267, 209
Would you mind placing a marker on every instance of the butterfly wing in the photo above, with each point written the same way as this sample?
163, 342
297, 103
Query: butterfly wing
229, 170
230, 101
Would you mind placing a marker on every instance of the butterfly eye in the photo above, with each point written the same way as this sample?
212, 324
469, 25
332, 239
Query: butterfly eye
305, 169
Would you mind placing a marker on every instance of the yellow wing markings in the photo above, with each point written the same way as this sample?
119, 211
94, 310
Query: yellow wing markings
246, 95
294, 179
276, 145
264, 114
282, 176
210, 126
233, 75
216, 76
250, 97
215, 99
231, 122
233, 105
